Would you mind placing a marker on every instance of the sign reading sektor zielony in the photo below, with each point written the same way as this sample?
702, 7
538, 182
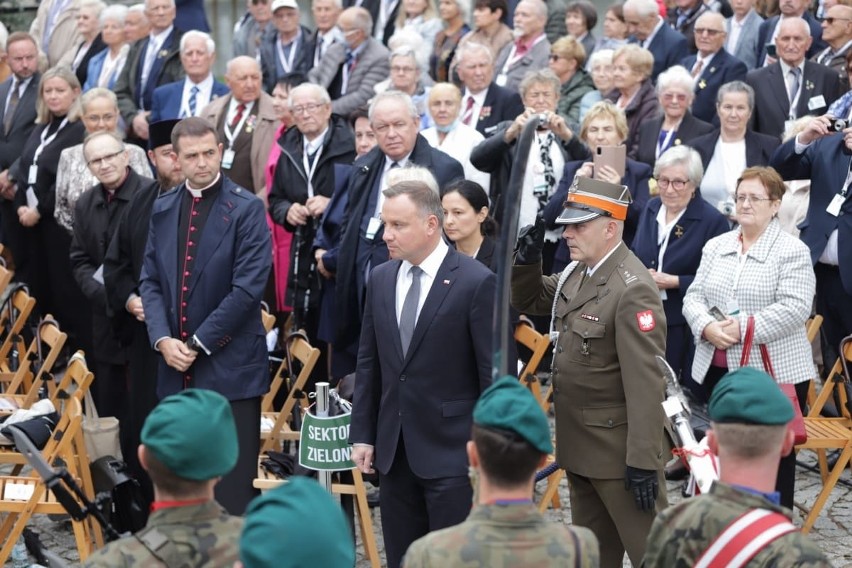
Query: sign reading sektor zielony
324, 444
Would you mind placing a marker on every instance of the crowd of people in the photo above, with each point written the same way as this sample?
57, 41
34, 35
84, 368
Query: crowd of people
352, 176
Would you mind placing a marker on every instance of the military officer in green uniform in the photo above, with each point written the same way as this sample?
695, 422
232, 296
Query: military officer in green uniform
511, 440
608, 324
750, 434
189, 441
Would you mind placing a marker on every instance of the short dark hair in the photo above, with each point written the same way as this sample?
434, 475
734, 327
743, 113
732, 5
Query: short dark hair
495, 5
290, 80
507, 460
192, 127
473, 193
359, 112
617, 11
587, 10
168, 482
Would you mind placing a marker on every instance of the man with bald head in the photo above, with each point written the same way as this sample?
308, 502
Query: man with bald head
350, 68
245, 123
810, 87
837, 33
530, 51
152, 61
712, 66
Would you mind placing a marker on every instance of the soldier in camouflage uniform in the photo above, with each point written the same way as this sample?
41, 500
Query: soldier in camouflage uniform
750, 434
511, 439
189, 442
607, 388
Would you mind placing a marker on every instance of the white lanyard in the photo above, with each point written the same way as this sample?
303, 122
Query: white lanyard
514, 58
50, 139
231, 136
310, 168
287, 62
663, 146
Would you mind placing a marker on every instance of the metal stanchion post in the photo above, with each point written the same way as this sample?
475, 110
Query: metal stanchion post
321, 409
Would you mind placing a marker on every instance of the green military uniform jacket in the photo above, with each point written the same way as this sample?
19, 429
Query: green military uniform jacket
200, 535
503, 536
681, 533
608, 390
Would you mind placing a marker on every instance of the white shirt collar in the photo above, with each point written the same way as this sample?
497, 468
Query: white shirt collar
159, 38
232, 106
205, 85
314, 145
705, 60
653, 34
785, 69
590, 270
402, 163
432, 263
478, 98
199, 192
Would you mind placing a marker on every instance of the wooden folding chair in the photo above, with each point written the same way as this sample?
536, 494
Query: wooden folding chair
539, 344
24, 383
268, 320
550, 498
13, 318
5, 274
830, 433
23, 496
300, 350
812, 331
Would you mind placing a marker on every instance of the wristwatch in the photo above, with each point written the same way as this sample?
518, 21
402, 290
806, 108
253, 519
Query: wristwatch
194, 344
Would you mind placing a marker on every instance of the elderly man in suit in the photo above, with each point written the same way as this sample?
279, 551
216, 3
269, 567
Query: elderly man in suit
18, 96
530, 51
188, 97
416, 389
360, 247
55, 28
290, 50
607, 387
712, 66
326, 13
769, 30
648, 29
350, 69
250, 30
822, 156
742, 30
246, 125
837, 33
151, 62
485, 104
792, 87
206, 265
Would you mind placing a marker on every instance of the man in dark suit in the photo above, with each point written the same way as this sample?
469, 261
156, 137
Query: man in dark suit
122, 268
837, 33
485, 104
396, 122
186, 98
326, 13
769, 29
18, 96
822, 156
649, 30
712, 66
383, 14
684, 18
530, 50
151, 62
416, 389
206, 266
290, 50
792, 87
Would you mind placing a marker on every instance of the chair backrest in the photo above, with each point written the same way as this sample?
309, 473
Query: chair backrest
76, 380
539, 344
268, 320
812, 327
13, 317
836, 385
53, 339
5, 274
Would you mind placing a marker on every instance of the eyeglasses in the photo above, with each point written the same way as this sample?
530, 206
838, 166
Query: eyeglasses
753, 199
402, 69
677, 184
831, 19
101, 162
708, 31
309, 108
674, 96
98, 118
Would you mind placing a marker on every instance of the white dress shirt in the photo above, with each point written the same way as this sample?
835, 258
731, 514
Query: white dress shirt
430, 266
205, 93
478, 101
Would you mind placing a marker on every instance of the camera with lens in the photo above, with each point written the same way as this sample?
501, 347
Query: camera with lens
838, 124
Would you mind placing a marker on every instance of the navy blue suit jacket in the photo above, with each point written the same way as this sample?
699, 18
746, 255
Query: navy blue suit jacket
668, 47
233, 260
700, 223
636, 176
503, 104
723, 68
764, 35
190, 15
825, 163
165, 104
427, 395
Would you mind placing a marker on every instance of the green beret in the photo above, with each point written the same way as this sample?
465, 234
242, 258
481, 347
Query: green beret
294, 525
507, 405
749, 396
193, 434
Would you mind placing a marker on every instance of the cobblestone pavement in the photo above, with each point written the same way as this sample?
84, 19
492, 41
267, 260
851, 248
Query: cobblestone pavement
833, 529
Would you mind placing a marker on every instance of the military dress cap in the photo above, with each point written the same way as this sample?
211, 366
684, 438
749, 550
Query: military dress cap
591, 198
160, 133
749, 396
193, 434
507, 405
297, 524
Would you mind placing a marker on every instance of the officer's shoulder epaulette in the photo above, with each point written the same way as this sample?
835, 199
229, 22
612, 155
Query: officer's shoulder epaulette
628, 275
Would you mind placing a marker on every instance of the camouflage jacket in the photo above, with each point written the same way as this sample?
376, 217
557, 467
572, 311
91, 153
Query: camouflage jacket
182, 537
503, 536
682, 533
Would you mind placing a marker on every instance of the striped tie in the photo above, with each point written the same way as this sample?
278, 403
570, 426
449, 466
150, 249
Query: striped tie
193, 100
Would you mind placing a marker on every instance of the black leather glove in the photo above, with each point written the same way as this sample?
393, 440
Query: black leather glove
530, 243
643, 483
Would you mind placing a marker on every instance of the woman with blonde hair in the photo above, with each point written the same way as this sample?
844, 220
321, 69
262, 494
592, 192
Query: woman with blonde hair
633, 90
421, 17
567, 58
